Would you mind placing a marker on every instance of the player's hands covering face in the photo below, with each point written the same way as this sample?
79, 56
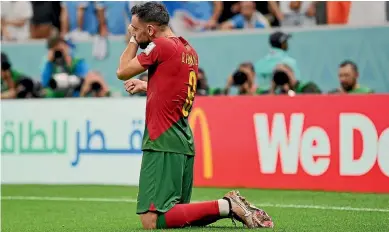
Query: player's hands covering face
134, 86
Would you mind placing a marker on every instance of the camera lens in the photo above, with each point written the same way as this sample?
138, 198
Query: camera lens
96, 86
239, 78
57, 54
280, 78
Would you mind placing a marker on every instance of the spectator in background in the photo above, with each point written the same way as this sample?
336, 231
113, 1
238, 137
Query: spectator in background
285, 82
348, 78
269, 9
278, 54
42, 20
248, 17
113, 17
298, 13
202, 84
192, 16
79, 19
15, 20
243, 78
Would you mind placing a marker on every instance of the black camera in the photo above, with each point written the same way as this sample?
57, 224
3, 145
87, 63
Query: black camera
280, 78
28, 87
5, 65
201, 88
60, 63
239, 78
96, 86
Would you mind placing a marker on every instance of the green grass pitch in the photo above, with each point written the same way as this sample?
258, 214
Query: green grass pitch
81, 208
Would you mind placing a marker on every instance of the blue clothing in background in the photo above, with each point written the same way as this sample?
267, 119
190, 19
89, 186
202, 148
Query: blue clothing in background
199, 10
239, 22
90, 19
81, 69
117, 14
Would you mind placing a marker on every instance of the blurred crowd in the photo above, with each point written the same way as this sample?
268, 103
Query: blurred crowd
22, 20
66, 75
279, 74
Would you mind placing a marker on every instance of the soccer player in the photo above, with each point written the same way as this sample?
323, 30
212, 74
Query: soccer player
166, 177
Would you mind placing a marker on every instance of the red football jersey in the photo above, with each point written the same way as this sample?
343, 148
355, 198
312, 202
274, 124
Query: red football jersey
173, 68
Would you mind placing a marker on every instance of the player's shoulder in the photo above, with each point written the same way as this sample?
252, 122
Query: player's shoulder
170, 43
162, 41
160, 44
184, 42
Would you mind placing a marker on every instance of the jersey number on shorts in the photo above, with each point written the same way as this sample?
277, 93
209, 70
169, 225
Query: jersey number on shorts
191, 93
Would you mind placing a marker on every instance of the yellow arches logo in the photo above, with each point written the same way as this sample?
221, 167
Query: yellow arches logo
199, 114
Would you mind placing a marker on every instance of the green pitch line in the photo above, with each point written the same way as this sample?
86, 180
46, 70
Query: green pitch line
112, 208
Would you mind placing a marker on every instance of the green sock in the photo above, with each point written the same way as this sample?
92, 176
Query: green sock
161, 222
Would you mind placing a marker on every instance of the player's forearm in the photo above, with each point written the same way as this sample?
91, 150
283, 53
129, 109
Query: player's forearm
125, 61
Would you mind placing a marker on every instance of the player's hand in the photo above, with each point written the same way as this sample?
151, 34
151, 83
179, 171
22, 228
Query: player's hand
130, 30
134, 86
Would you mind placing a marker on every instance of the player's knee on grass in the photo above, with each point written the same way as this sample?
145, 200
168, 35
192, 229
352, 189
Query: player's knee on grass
149, 220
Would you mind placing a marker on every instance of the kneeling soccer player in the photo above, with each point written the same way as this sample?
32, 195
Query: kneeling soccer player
166, 177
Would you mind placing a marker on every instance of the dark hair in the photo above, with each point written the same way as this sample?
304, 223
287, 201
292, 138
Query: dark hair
351, 63
5, 63
249, 65
53, 41
151, 12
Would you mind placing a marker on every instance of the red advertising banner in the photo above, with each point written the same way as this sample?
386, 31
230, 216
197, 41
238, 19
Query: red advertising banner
332, 143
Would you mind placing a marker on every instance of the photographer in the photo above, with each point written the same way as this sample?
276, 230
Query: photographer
279, 46
62, 71
243, 79
348, 79
285, 82
14, 84
65, 75
202, 84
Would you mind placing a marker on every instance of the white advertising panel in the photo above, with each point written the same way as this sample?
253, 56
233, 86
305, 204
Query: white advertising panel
75, 141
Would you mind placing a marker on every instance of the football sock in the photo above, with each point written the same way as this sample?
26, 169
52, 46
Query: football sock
196, 214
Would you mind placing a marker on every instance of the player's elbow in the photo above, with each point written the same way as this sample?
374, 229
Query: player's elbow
121, 75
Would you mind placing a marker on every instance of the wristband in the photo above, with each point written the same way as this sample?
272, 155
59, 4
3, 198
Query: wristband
132, 40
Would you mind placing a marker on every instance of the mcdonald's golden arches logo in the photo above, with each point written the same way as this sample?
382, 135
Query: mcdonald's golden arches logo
198, 113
